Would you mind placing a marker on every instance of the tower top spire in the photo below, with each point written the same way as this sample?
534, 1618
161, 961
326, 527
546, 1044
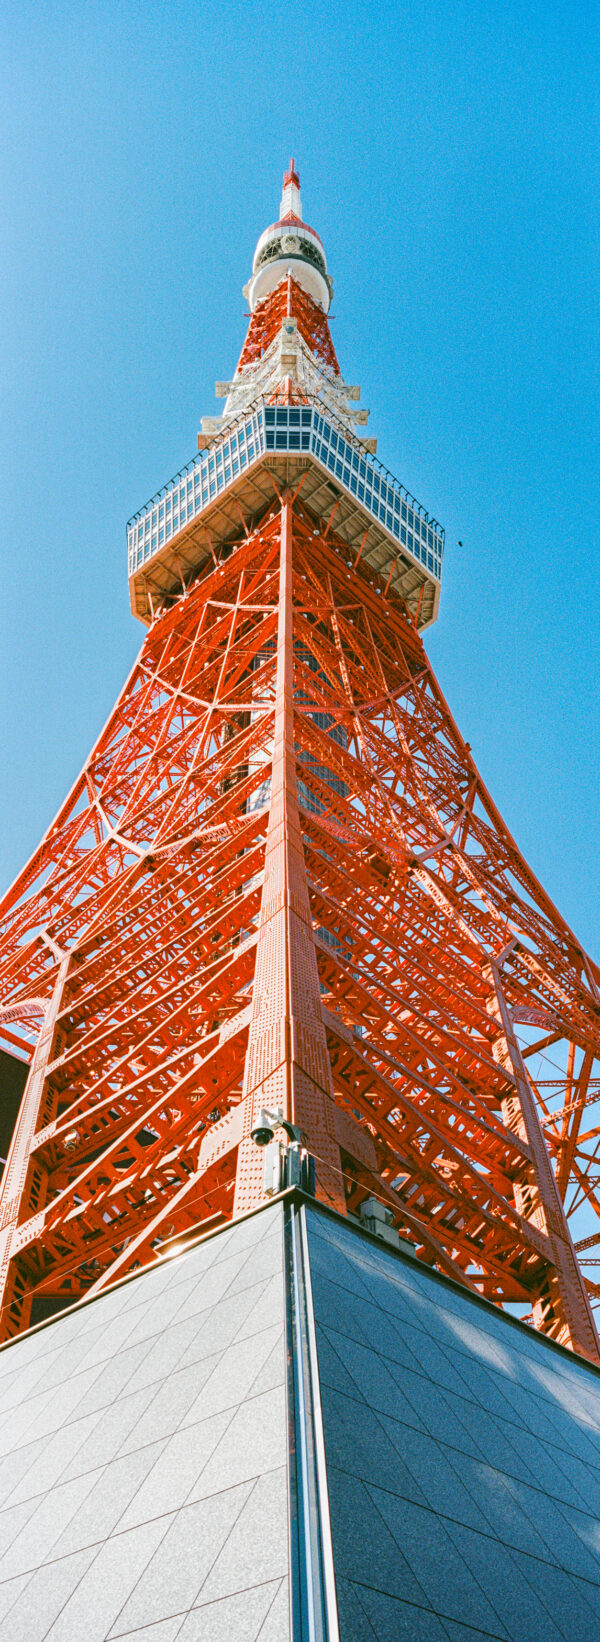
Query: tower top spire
291, 204
287, 244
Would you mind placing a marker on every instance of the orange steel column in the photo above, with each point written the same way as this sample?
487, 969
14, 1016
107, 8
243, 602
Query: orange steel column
287, 1062
580, 1329
23, 1182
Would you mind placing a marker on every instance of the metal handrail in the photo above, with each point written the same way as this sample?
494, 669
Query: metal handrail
256, 408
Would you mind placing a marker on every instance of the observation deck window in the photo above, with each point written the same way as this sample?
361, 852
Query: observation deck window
291, 428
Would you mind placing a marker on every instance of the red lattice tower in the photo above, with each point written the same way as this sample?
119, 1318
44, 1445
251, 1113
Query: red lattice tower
288, 301
280, 883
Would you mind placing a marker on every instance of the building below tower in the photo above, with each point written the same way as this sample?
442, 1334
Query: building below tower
292, 1431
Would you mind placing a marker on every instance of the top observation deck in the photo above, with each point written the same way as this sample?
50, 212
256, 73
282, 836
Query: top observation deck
240, 472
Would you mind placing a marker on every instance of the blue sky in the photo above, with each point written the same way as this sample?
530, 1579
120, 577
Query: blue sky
449, 158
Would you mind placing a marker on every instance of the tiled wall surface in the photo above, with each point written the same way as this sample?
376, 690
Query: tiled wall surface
463, 1459
143, 1457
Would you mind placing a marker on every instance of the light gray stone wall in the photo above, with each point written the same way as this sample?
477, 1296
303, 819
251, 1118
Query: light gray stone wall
143, 1457
463, 1458
143, 1479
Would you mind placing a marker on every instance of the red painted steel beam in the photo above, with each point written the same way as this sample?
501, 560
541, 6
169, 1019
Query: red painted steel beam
280, 880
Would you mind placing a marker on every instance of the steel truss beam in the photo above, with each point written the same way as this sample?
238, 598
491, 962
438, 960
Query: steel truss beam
280, 881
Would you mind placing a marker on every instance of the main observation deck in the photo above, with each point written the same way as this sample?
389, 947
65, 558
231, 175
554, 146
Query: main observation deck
235, 478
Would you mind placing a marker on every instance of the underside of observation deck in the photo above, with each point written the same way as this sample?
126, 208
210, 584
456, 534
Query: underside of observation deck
243, 498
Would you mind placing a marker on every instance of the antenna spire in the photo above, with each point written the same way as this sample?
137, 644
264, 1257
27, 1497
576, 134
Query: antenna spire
291, 204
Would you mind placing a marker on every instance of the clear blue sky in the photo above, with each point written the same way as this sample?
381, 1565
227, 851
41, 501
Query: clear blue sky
449, 158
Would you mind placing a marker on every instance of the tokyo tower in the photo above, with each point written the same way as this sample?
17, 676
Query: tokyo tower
278, 937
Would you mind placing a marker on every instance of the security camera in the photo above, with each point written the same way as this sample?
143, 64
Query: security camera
268, 1122
264, 1129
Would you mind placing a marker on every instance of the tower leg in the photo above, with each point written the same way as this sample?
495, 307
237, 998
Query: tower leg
287, 1065
23, 1184
570, 1299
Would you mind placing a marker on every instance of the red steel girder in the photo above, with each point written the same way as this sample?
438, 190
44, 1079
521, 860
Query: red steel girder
280, 880
288, 301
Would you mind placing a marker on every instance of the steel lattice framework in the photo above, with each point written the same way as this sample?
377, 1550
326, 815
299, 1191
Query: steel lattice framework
288, 301
280, 881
